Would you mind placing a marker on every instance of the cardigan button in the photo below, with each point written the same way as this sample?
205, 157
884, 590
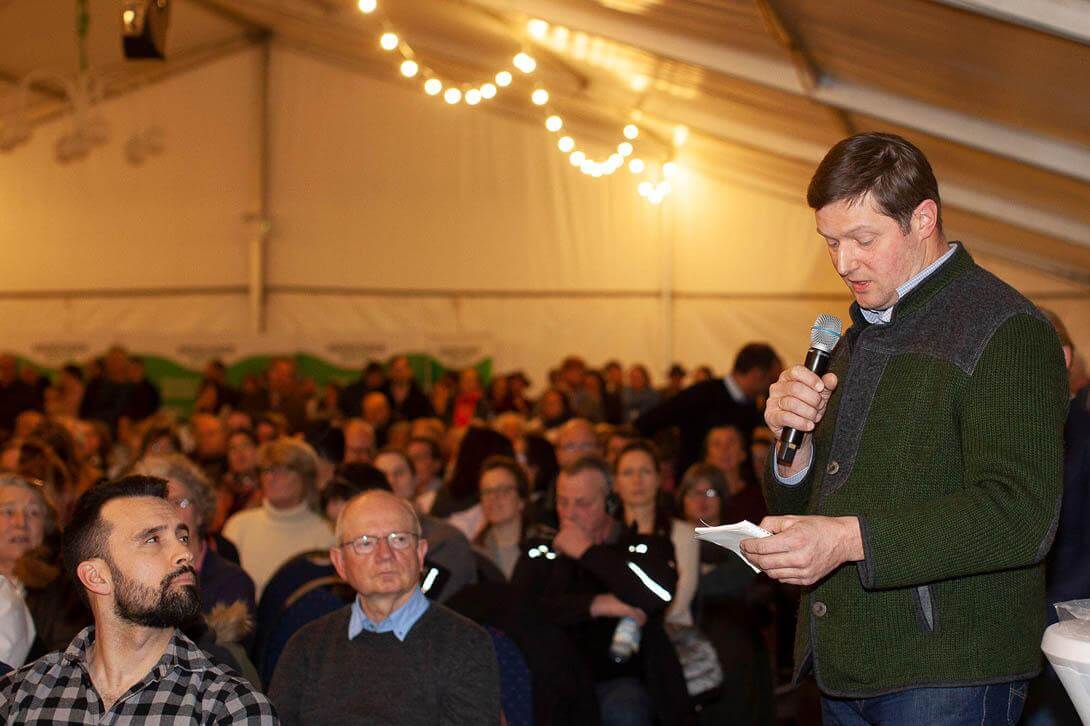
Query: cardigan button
833, 467
819, 609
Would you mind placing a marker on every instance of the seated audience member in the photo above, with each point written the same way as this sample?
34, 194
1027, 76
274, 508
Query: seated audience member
725, 448
594, 572
470, 402
144, 398
159, 441
372, 378
427, 459
25, 519
619, 437
760, 445
399, 434
240, 487
702, 373
67, 392
505, 494
15, 395
591, 404
675, 381
408, 401
730, 612
377, 413
209, 444
338, 492
639, 396
516, 400
448, 547
636, 482
359, 441
576, 439
392, 656
128, 549
221, 581
512, 425
553, 409
285, 524
497, 394
612, 396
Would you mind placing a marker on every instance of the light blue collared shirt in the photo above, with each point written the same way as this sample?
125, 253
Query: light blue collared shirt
399, 622
874, 317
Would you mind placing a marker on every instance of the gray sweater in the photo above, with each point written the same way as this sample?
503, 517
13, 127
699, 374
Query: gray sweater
445, 672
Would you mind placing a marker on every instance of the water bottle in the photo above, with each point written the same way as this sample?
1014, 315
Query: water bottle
626, 640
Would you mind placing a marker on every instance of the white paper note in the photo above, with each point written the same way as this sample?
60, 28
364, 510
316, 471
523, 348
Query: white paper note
730, 536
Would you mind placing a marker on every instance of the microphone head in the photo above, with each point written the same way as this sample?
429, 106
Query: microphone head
826, 332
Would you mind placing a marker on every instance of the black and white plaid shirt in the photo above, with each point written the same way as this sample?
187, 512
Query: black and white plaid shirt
184, 687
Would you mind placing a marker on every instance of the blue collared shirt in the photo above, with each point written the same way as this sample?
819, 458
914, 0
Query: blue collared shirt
874, 317
399, 622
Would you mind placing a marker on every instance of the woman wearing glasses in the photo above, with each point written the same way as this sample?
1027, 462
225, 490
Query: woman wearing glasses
505, 493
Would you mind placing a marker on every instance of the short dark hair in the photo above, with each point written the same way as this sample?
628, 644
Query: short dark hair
85, 536
364, 476
756, 355
891, 168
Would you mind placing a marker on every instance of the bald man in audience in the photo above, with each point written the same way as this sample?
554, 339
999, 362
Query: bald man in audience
359, 441
391, 657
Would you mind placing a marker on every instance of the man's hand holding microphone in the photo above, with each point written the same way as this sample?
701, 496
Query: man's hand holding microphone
802, 549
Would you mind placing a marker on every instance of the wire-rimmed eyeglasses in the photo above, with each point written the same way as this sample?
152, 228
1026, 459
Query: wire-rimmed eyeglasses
365, 544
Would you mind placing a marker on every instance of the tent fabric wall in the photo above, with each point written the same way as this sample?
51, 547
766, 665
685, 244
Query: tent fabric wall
392, 212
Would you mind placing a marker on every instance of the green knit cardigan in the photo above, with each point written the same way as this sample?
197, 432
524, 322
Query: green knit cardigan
944, 437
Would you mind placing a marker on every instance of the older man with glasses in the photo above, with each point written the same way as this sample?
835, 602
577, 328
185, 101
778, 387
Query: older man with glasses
391, 657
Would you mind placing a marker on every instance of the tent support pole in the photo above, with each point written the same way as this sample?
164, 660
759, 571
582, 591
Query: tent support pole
260, 235
666, 242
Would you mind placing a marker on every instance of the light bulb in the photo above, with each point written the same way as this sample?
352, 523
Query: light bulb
681, 134
367, 6
488, 90
538, 28
577, 158
525, 62
566, 144
624, 148
409, 68
554, 123
540, 97
433, 86
616, 159
670, 170
631, 132
645, 188
388, 41
452, 96
636, 166
473, 97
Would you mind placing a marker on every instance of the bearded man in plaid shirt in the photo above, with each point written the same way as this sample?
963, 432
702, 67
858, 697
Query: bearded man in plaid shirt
127, 546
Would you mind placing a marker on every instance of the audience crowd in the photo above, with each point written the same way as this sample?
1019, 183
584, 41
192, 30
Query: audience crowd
493, 554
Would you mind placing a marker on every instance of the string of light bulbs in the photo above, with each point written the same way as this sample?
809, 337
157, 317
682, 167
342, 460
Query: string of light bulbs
471, 94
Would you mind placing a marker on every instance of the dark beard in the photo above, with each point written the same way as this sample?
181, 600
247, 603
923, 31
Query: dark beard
168, 609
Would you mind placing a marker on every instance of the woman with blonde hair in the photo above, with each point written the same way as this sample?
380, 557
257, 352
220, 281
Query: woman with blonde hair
287, 522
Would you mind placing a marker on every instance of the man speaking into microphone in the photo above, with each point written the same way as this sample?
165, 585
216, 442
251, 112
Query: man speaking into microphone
921, 503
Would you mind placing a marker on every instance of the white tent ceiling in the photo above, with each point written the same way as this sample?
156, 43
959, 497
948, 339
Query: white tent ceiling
996, 95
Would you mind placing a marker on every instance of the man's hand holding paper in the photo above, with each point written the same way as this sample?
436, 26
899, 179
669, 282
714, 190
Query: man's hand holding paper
804, 549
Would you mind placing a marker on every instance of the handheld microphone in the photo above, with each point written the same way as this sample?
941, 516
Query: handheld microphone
824, 335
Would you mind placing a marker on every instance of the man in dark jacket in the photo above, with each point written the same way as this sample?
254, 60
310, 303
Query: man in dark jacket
729, 401
592, 574
406, 399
